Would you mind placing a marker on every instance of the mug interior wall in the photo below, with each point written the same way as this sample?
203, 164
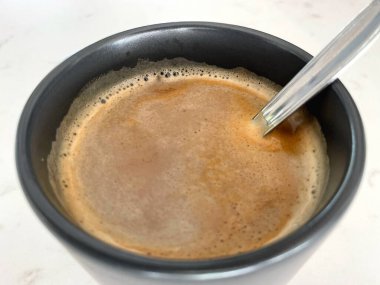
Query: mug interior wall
225, 48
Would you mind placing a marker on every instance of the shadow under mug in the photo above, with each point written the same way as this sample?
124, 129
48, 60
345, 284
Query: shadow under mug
223, 45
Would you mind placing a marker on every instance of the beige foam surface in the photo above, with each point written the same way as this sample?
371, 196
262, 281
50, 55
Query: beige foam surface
163, 160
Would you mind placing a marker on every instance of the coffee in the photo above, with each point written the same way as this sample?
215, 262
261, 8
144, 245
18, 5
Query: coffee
163, 160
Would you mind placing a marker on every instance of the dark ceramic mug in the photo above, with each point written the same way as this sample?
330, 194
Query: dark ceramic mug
217, 44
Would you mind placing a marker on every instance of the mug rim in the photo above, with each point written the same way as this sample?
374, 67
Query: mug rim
188, 269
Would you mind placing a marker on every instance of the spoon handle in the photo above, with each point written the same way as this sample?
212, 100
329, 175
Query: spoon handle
323, 68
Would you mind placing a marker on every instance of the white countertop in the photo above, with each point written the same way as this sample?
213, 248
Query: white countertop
37, 35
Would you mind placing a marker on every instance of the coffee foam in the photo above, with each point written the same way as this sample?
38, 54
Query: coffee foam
163, 160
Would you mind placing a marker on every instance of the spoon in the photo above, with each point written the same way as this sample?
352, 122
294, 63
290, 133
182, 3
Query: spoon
322, 69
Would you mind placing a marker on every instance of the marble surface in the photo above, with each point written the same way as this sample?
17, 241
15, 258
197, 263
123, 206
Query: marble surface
37, 35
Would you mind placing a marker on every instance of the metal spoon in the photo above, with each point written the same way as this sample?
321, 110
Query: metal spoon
322, 69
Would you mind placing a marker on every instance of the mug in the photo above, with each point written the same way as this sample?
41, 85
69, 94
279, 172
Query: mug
225, 46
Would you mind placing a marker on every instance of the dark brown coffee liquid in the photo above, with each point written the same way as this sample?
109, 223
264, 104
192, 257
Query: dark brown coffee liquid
163, 160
